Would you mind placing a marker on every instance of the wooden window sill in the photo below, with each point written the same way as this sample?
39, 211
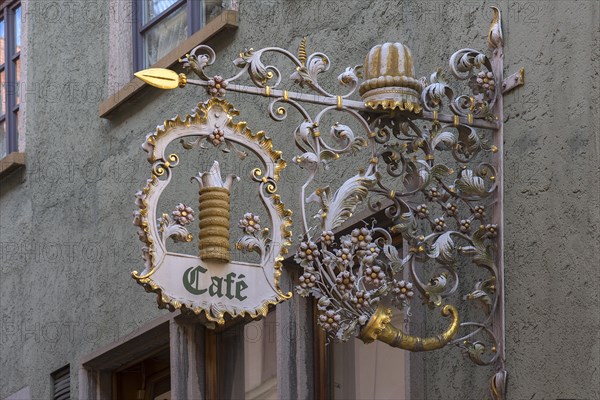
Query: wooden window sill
11, 162
226, 20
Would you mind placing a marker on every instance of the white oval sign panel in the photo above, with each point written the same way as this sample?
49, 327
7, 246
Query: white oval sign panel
210, 282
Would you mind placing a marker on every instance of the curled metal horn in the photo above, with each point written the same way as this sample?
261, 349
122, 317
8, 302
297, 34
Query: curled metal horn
379, 328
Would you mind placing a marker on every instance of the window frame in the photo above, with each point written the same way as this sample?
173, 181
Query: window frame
11, 56
97, 369
195, 16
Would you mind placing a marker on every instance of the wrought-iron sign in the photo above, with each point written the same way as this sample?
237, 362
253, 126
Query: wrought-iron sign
434, 170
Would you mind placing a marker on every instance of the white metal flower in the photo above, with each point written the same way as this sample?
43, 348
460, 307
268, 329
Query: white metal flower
403, 289
361, 237
216, 86
422, 211
371, 253
250, 223
345, 281
329, 320
327, 238
308, 280
374, 275
361, 299
217, 136
308, 251
343, 256
183, 214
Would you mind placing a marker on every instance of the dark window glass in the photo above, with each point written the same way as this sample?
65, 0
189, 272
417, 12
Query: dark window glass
164, 36
10, 72
149, 379
153, 8
164, 24
17, 29
2, 42
246, 366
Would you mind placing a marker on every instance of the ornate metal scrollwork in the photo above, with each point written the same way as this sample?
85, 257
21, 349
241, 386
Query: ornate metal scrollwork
434, 169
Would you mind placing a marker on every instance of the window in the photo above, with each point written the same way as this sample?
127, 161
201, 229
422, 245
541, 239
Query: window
148, 379
353, 369
162, 24
369, 371
137, 366
10, 72
246, 362
175, 356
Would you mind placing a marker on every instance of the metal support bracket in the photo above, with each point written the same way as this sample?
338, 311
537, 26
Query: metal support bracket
514, 81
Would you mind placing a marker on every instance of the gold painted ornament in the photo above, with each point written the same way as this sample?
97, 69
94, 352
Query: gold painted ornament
390, 79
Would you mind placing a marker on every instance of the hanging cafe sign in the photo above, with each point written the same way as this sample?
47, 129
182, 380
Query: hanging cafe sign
210, 281
436, 177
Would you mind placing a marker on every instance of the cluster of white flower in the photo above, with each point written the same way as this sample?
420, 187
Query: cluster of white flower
217, 136
483, 83
183, 214
371, 253
216, 86
308, 251
250, 223
308, 280
329, 320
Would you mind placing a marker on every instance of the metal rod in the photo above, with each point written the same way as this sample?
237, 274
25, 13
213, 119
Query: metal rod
352, 104
497, 61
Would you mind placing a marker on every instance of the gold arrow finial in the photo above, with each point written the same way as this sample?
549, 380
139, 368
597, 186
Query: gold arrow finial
159, 77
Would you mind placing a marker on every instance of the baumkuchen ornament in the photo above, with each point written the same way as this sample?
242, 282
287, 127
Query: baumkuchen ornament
390, 79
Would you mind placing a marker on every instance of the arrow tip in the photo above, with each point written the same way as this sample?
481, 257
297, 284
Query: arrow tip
159, 77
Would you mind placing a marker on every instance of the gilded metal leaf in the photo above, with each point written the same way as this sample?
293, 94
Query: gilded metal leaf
444, 140
345, 200
475, 352
482, 297
470, 184
498, 385
302, 51
495, 34
443, 248
250, 243
348, 77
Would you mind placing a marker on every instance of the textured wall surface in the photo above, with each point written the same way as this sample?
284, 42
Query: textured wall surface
68, 246
552, 205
